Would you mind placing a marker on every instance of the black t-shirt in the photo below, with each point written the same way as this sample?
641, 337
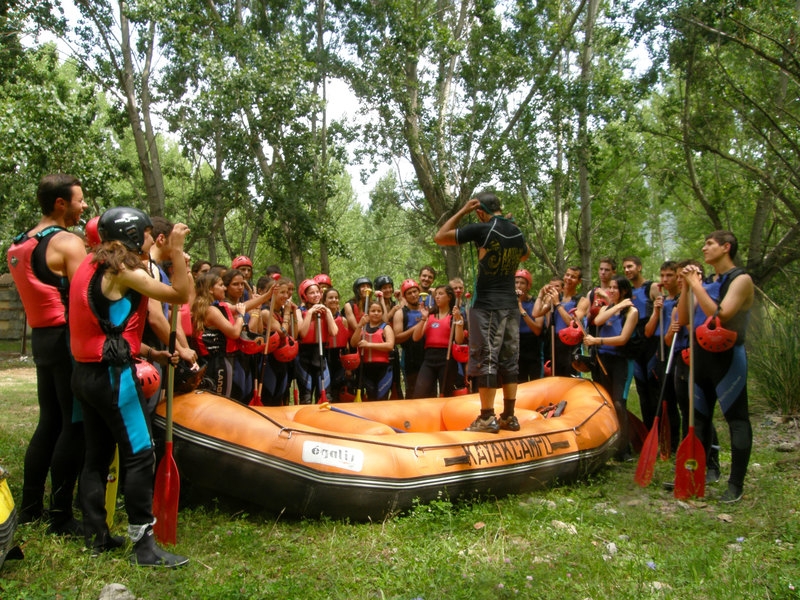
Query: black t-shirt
505, 246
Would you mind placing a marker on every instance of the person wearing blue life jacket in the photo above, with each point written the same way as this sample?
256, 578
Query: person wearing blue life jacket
616, 324
664, 300
721, 369
642, 291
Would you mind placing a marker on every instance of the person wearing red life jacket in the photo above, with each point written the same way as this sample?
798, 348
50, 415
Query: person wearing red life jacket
443, 326
314, 333
42, 261
374, 340
337, 345
108, 304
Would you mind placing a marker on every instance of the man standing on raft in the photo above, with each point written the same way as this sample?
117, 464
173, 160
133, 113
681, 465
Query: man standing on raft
494, 316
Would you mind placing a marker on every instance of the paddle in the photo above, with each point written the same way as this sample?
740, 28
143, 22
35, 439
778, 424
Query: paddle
690, 460
256, 399
168, 483
665, 432
323, 395
328, 406
112, 485
361, 362
647, 458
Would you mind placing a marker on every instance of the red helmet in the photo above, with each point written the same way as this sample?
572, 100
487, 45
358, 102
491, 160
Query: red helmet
304, 285
462, 391
407, 285
571, 335
274, 341
596, 306
92, 235
288, 351
548, 370
149, 377
323, 279
350, 362
460, 352
712, 336
241, 261
253, 346
526, 275
685, 356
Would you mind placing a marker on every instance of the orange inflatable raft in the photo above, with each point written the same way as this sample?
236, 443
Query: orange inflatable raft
372, 459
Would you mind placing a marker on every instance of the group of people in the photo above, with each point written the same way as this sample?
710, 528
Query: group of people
103, 306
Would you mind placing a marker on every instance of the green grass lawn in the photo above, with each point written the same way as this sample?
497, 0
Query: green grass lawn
601, 538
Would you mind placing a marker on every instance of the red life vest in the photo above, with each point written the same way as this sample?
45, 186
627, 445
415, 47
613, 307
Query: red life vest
86, 332
45, 304
311, 335
231, 344
437, 334
344, 334
370, 354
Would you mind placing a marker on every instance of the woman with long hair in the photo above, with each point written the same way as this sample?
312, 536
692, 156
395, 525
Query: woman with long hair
313, 333
107, 305
443, 325
616, 324
337, 344
279, 319
217, 328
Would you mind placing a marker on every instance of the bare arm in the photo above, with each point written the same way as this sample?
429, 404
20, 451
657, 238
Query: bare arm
446, 236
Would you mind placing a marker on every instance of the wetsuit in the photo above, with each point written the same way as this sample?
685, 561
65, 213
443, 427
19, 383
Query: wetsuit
530, 346
722, 377
105, 335
57, 443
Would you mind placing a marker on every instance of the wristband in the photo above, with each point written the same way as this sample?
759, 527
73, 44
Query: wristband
461, 322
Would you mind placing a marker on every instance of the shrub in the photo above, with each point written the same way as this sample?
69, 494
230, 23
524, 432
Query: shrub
774, 367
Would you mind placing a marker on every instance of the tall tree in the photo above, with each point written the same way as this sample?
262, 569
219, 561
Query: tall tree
244, 83
732, 92
118, 42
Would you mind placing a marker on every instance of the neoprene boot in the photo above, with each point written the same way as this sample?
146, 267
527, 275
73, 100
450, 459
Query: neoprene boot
104, 542
145, 551
63, 523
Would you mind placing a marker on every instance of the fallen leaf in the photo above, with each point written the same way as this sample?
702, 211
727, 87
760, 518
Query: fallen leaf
725, 518
479, 525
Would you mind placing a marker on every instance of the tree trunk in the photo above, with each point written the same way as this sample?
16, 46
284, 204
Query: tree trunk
585, 241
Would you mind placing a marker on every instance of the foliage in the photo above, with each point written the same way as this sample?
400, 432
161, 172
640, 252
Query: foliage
776, 337
729, 112
600, 538
50, 121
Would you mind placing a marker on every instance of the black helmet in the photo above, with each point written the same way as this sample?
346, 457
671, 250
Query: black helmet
382, 280
126, 225
358, 283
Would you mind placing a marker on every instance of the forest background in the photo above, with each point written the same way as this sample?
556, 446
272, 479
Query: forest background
607, 127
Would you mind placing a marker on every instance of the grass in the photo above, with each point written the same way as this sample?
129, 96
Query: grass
601, 538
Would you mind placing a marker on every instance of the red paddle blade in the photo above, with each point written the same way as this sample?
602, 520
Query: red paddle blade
256, 400
664, 446
690, 468
638, 432
647, 458
323, 397
165, 498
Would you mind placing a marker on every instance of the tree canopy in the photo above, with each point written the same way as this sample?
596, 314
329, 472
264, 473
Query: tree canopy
606, 128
